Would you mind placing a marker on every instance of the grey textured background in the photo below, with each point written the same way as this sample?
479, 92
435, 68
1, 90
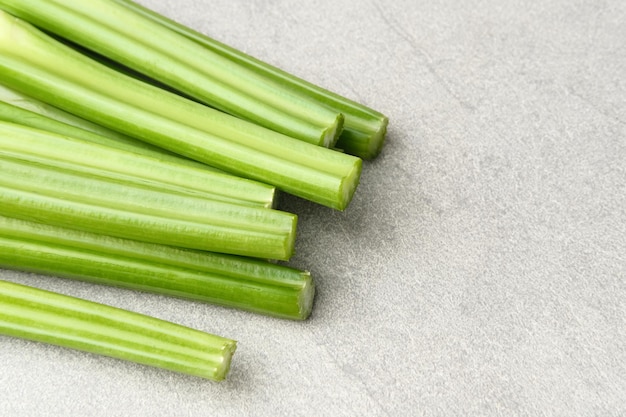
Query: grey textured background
479, 270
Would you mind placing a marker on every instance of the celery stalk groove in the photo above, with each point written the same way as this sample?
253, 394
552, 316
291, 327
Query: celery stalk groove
142, 44
39, 66
231, 281
49, 317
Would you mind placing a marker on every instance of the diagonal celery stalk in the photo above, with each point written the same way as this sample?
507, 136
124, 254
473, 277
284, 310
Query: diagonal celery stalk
37, 65
44, 316
137, 42
231, 281
52, 195
72, 125
12, 97
84, 153
364, 128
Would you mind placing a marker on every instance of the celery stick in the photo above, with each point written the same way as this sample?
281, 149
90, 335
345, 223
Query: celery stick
231, 281
17, 99
39, 66
49, 317
83, 153
119, 33
364, 128
82, 127
79, 201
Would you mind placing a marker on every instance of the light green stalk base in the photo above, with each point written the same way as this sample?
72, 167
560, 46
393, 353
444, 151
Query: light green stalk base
82, 151
231, 281
39, 66
364, 128
48, 317
137, 42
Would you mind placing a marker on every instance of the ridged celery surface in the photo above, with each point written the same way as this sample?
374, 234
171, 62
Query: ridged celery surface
142, 44
364, 128
112, 138
57, 319
231, 281
104, 136
83, 151
37, 65
30, 190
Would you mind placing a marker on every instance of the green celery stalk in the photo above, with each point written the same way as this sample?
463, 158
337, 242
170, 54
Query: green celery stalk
106, 136
87, 152
119, 33
364, 129
232, 281
30, 190
81, 128
49, 317
35, 64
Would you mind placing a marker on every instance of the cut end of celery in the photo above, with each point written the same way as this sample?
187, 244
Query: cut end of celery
364, 143
377, 141
350, 184
307, 295
223, 367
272, 201
331, 135
276, 197
290, 241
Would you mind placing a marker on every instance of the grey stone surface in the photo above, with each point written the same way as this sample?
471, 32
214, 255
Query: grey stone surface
480, 269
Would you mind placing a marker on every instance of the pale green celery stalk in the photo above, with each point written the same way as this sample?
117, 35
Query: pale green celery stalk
364, 128
104, 136
44, 316
17, 99
39, 66
119, 33
79, 150
231, 281
29, 190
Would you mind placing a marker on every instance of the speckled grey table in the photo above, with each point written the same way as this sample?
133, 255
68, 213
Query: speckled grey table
480, 269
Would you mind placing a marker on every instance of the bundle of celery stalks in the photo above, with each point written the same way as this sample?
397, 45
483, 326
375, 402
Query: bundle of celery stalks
138, 153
